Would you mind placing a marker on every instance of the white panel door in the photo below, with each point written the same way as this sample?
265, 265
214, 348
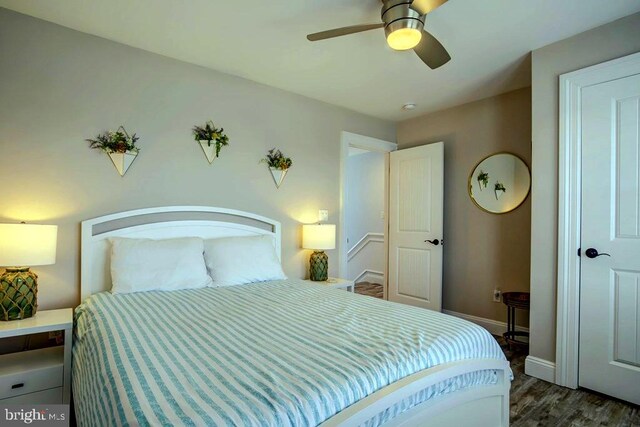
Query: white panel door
610, 279
415, 226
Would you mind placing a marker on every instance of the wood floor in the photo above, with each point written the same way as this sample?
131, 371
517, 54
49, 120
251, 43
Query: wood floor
537, 403
370, 289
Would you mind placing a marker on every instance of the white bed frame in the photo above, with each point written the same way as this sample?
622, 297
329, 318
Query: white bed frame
477, 406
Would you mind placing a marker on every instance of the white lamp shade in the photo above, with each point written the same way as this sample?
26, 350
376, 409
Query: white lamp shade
319, 236
26, 245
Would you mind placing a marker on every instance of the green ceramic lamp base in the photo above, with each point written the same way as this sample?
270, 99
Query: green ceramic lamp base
18, 294
318, 266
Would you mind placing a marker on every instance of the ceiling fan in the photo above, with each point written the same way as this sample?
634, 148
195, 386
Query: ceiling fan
403, 22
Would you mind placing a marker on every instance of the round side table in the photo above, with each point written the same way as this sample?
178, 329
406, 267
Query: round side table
514, 300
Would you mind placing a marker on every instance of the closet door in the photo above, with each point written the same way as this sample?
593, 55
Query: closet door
610, 254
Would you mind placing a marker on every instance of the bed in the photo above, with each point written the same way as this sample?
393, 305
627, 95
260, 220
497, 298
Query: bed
275, 353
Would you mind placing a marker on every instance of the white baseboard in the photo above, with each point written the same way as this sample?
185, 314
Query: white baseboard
495, 327
370, 276
540, 368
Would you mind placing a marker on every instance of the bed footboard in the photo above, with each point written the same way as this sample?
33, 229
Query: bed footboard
476, 406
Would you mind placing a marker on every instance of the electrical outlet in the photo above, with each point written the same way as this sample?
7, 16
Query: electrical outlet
323, 215
497, 295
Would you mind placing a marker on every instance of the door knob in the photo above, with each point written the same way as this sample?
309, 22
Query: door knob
593, 253
435, 242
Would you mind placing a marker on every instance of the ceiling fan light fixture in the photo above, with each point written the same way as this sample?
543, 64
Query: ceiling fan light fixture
404, 38
403, 22
403, 25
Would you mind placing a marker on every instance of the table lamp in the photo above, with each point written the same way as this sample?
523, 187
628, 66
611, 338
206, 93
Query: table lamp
22, 246
319, 237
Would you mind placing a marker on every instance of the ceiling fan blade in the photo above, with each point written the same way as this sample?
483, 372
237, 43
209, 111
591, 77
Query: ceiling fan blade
337, 32
426, 6
431, 51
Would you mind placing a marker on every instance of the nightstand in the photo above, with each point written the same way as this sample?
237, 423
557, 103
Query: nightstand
332, 282
41, 376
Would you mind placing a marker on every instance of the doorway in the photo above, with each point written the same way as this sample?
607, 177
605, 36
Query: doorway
363, 235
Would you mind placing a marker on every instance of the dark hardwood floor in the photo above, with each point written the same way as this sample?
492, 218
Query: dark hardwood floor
537, 403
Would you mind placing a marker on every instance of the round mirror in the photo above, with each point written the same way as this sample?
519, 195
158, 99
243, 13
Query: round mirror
499, 183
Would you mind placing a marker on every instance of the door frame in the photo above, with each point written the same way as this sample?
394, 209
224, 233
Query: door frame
569, 206
349, 139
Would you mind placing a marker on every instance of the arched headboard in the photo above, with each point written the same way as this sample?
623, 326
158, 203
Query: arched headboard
161, 223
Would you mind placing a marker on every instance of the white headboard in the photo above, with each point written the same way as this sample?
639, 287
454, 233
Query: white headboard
161, 223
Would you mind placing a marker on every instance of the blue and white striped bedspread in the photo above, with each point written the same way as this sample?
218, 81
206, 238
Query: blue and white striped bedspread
282, 353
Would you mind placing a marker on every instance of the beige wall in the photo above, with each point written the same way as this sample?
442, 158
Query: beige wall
58, 87
482, 250
610, 41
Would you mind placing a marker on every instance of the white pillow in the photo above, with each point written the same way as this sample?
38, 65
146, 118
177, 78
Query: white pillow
139, 265
239, 260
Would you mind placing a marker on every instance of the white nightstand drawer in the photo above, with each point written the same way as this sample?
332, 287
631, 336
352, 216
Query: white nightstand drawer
31, 371
53, 396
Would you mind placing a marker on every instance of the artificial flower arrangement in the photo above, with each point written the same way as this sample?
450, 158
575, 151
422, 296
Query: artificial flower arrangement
483, 179
278, 165
117, 141
211, 135
499, 190
275, 159
119, 146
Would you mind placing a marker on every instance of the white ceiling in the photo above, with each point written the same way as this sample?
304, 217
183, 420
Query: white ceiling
265, 41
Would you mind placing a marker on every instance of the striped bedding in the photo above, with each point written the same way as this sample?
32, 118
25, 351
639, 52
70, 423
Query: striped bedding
281, 353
